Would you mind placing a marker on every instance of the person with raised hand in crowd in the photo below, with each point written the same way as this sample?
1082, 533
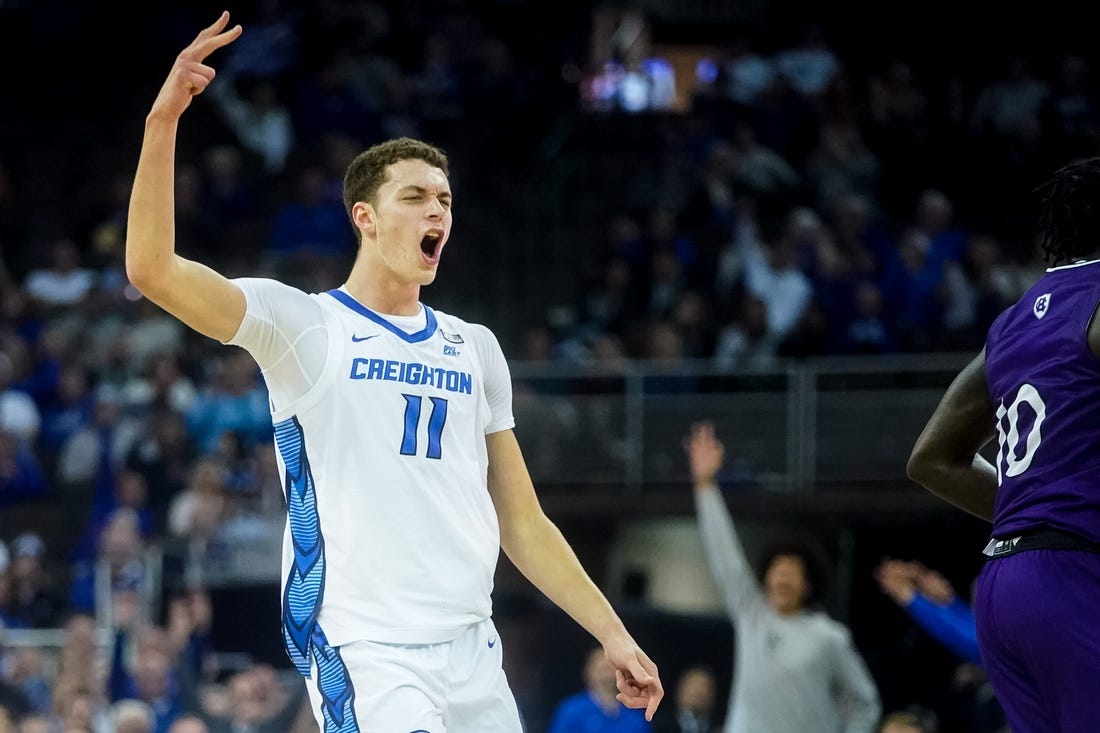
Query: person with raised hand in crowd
795, 668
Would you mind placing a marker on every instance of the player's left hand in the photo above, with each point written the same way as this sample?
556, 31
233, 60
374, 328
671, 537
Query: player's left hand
635, 676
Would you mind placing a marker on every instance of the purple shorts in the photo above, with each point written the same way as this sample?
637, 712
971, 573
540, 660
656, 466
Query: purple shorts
1038, 620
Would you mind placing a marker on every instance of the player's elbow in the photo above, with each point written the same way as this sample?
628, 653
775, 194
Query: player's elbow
145, 275
921, 466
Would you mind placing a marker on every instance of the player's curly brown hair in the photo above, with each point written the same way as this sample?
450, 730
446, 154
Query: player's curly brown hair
1069, 213
367, 172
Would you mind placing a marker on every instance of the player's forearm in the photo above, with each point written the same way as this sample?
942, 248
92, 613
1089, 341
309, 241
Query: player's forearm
971, 486
150, 226
544, 557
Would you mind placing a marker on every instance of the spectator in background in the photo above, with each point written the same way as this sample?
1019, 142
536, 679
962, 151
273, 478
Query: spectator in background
911, 720
313, 222
26, 671
254, 110
19, 415
80, 657
39, 356
696, 697
120, 553
114, 490
759, 168
595, 710
34, 724
62, 282
770, 261
150, 337
747, 73
233, 198
163, 455
236, 401
842, 164
711, 206
79, 706
99, 446
273, 46
928, 598
71, 409
911, 283
161, 386
21, 477
188, 724
974, 291
34, 602
868, 332
1071, 112
134, 716
154, 665
745, 342
196, 513
13, 700
795, 668
1006, 105
259, 703
811, 65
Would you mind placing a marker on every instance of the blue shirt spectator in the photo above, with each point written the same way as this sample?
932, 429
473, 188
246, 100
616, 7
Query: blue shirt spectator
928, 598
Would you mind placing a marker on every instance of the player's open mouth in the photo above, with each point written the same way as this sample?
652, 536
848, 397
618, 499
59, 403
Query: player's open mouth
430, 245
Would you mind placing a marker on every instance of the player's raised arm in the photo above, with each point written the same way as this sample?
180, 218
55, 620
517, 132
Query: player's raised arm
198, 296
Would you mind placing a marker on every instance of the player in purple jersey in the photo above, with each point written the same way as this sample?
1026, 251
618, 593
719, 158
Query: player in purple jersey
1034, 388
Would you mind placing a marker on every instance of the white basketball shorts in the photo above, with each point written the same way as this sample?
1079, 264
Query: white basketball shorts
457, 686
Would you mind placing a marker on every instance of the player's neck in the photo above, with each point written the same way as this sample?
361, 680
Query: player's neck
384, 296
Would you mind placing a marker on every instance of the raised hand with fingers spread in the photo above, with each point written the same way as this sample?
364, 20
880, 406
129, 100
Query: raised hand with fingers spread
190, 76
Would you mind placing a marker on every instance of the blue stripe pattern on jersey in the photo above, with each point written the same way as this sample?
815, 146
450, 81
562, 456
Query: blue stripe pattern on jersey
304, 638
334, 683
306, 580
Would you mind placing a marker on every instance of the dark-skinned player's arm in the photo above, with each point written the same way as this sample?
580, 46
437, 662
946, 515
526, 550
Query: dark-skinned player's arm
192, 292
945, 459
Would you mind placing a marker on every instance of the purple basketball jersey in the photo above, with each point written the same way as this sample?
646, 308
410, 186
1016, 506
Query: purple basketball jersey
1045, 386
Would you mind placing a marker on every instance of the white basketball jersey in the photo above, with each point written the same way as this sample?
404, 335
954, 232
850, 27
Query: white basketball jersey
380, 435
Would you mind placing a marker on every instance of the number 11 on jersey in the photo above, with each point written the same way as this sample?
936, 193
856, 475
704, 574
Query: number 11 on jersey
436, 420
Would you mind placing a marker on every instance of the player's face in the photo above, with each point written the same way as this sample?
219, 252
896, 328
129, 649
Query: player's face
413, 220
785, 584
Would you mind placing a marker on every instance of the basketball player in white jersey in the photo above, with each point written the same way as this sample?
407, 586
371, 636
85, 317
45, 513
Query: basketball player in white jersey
393, 429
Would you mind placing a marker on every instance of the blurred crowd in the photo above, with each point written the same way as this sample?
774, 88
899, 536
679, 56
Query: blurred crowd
797, 204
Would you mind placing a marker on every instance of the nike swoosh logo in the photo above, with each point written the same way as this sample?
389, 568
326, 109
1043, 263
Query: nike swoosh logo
492, 643
356, 339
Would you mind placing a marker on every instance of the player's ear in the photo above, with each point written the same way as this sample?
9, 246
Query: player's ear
363, 215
